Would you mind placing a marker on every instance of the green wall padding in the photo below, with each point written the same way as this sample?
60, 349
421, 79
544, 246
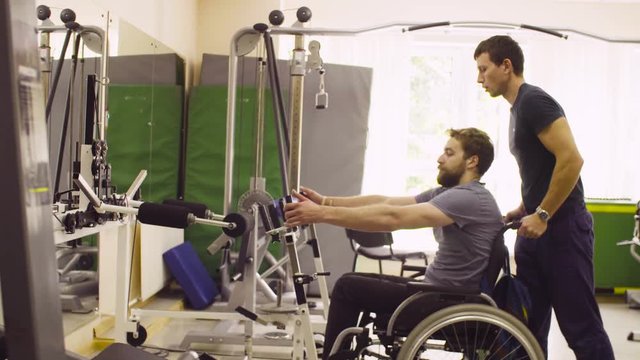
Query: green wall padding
143, 132
206, 148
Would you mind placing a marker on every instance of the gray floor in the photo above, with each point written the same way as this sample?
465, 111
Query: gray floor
618, 321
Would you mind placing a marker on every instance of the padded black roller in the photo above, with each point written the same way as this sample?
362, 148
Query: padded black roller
164, 215
243, 222
199, 210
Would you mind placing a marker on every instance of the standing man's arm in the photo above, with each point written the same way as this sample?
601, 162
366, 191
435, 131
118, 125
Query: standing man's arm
558, 140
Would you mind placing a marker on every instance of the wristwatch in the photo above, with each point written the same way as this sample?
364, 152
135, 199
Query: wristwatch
543, 214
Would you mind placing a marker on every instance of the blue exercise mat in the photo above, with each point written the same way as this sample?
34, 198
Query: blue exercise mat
186, 267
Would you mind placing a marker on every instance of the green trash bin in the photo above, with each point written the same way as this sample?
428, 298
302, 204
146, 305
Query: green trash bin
615, 269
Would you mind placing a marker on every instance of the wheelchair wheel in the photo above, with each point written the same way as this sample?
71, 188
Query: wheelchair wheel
470, 332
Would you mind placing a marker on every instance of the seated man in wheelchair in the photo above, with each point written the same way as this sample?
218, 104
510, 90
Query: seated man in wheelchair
464, 216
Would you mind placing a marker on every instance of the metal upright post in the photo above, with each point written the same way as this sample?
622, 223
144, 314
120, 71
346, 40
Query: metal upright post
303, 323
30, 297
297, 72
104, 81
45, 61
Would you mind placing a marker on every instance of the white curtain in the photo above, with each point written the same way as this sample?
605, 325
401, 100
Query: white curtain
598, 84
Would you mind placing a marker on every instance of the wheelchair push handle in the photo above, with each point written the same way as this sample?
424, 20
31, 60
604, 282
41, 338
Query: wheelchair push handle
515, 224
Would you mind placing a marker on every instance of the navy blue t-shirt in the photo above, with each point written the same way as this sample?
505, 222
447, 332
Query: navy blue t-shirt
532, 111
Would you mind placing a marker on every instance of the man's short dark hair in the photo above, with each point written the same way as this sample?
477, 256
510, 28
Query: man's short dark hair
475, 142
502, 47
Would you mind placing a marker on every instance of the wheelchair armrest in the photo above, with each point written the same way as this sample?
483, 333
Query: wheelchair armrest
421, 286
419, 268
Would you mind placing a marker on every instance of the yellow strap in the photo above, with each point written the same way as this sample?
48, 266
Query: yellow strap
612, 208
39, 190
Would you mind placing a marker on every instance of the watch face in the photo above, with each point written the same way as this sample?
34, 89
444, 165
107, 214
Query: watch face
543, 214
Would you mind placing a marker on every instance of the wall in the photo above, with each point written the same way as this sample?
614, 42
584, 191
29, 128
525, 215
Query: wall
169, 21
219, 20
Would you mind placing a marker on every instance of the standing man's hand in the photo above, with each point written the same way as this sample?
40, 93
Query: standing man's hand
515, 214
303, 212
532, 226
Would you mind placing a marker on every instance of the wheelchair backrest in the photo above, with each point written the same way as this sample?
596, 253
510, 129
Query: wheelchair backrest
509, 293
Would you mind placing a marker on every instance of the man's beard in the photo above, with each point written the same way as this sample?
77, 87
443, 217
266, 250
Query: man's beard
449, 178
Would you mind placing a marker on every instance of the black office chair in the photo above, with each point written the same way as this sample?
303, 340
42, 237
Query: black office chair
379, 246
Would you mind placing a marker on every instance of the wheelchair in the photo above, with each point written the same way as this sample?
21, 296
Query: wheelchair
444, 323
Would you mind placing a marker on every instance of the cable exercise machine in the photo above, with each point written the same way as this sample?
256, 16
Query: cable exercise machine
173, 214
90, 136
75, 259
254, 240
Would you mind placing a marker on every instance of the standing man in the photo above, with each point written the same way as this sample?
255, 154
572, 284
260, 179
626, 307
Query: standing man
463, 214
554, 248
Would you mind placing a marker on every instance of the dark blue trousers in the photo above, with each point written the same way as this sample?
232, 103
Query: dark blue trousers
354, 293
558, 271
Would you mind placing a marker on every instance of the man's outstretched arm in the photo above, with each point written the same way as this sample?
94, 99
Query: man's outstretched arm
355, 201
377, 217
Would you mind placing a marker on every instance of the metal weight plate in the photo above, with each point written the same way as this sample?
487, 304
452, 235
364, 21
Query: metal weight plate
251, 197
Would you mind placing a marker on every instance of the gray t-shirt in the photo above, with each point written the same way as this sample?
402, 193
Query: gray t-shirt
464, 246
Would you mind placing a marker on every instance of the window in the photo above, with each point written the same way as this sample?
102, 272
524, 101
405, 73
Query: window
442, 96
